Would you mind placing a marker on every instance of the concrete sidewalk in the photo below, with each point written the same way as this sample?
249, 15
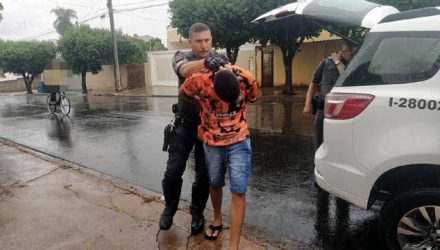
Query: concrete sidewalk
48, 204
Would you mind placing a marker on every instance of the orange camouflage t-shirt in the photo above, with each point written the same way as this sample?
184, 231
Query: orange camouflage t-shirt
222, 123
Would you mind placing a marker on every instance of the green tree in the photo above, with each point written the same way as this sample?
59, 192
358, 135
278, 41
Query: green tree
130, 50
154, 44
229, 21
87, 49
1, 8
27, 58
63, 23
230, 25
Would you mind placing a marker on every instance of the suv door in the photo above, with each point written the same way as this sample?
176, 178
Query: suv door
358, 13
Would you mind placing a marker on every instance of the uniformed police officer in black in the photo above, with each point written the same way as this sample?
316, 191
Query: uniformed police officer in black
185, 132
324, 79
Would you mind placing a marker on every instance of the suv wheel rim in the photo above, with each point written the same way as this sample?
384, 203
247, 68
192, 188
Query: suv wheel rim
420, 229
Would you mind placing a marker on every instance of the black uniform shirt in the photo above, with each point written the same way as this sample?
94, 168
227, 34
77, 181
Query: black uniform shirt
326, 76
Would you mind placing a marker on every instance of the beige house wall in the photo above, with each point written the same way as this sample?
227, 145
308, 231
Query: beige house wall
17, 85
12, 85
176, 41
132, 76
246, 58
258, 67
74, 82
304, 63
105, 80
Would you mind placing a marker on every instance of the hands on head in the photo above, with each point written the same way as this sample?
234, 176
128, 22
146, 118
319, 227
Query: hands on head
226, 67
215, 63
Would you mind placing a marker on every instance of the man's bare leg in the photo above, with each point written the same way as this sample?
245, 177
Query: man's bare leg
216, 200
236, 213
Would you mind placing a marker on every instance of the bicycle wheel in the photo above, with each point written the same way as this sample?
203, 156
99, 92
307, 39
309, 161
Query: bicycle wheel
65, 104
51, 105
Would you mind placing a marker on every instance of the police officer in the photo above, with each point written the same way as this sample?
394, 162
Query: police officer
185, 132
324, 79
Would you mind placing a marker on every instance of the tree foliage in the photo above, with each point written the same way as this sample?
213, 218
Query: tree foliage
154, 44
87, 49
1, 8
229, 21
62, 23
27, 58
287, 33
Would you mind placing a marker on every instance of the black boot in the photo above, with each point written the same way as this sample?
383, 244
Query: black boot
172, 197
166, 219
197, 223
199, 197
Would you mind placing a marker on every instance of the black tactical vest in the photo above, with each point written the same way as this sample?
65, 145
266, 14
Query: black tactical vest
187, 105
330, 75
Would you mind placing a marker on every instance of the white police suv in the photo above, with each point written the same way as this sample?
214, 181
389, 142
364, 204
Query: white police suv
382, 126
382, 129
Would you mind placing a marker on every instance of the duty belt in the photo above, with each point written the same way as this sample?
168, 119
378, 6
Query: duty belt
187, 119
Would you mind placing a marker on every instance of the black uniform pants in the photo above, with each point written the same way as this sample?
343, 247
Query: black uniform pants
185, 138
318, 128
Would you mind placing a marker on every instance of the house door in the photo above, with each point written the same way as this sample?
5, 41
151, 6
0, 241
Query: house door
267, 70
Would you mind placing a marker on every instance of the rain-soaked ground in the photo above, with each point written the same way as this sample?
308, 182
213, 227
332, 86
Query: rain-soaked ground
122, 136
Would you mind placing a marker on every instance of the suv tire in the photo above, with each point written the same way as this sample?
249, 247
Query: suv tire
409, 213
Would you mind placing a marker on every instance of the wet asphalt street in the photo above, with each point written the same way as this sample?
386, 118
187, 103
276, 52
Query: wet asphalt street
122, 136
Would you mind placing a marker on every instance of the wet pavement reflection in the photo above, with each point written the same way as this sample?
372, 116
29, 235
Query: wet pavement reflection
122, 136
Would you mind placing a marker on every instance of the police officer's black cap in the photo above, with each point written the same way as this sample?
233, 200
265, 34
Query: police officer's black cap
226, 85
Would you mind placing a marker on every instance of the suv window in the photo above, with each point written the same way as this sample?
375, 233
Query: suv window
394, 58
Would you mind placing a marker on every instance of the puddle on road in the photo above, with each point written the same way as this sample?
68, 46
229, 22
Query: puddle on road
282, 200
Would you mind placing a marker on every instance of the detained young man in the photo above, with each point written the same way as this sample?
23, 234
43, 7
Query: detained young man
224, 131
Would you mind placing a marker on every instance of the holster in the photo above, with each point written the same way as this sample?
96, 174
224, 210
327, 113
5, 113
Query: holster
187, 119
168, 136
315, 104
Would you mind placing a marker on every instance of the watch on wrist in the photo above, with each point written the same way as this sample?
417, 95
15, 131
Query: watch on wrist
337, 62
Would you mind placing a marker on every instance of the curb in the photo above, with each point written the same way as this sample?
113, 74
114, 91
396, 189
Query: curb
255, 235
133, 189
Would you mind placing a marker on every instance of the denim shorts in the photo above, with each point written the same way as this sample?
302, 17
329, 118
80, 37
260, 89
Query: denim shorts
236, 159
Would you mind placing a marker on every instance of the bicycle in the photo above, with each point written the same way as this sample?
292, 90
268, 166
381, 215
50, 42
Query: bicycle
58, 98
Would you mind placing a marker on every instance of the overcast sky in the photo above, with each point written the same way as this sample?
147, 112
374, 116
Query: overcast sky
31, 19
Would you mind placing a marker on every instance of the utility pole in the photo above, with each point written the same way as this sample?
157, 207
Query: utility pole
115, 47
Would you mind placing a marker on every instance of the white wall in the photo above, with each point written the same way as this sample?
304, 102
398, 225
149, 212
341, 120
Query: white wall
162, 81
